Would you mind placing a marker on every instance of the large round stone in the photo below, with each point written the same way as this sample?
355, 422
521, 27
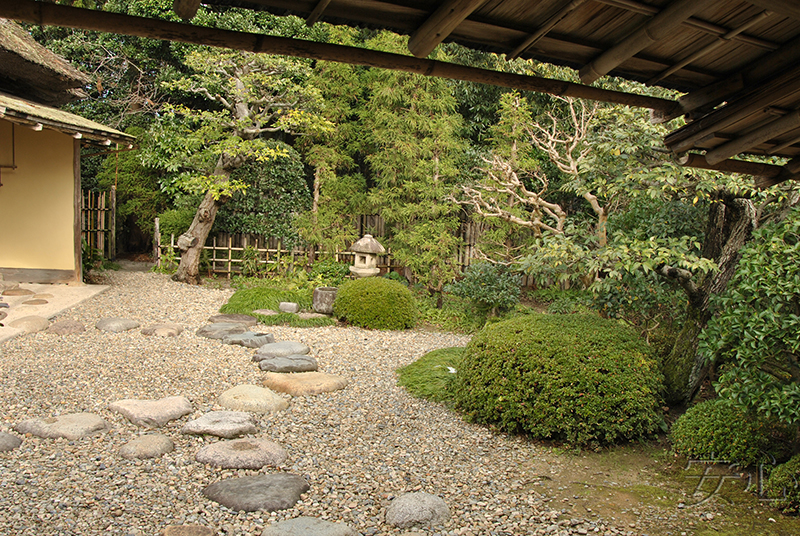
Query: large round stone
116, 324
252, 398
66, 327
308, 526
220, 330
304, 383
147, 446
227, 424
242, 454
281, 349
417, 509
152, 413
70, 426
261, 492
290, 363
30, 324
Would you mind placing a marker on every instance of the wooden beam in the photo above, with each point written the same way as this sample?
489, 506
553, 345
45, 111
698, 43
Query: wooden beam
752, 139
787, 8
440, 24
47, 14
791, 171
548, 25
650, 32
766, 175
317, 13
186, 9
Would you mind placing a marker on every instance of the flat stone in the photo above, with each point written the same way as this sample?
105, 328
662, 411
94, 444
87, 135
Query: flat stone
247, 320
9, 441
418, 509
304, 383
261, 492
249, 339
43, 296
227, 424
252, 398
166, 329
288, 307
308, 526
220, 330
116, 324
308, 316
66, 327
189, 530
290, 363
266, 312
281, 349
70, 426
248, 453
30, 324
16, 291
147, 446
152, 413
35, 301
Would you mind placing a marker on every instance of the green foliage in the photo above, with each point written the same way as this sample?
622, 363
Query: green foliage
493, 287
432, 375
247, 300
175, 221
396, 276
576, 378
756, 337
783, 486
715, 429
375, 303
329, 273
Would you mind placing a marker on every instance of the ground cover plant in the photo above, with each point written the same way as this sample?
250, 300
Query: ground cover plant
247, 300
432, 376
376, 303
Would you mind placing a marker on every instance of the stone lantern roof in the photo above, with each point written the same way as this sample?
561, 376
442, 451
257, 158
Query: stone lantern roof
367, 244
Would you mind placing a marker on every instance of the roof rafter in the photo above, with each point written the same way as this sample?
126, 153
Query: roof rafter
440, 24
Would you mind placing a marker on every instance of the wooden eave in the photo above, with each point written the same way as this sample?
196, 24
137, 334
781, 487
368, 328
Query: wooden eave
736, 61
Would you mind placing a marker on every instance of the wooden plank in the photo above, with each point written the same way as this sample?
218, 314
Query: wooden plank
38, 275
440, 24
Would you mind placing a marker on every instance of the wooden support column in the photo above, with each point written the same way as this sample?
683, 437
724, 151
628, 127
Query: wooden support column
780, 126
652, 31
440, 24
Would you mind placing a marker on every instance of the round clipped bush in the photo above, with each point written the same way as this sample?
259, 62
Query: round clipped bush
717, 430
576, 378
783, 486
375, 303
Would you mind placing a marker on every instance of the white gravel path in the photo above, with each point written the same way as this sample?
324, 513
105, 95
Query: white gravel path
358, 448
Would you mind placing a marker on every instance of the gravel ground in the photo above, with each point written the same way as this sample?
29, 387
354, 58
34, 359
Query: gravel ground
358, 448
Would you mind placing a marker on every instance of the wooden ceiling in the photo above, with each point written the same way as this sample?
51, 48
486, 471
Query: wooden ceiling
737, 62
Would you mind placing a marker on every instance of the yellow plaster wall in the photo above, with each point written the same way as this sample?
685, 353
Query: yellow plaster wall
37, 200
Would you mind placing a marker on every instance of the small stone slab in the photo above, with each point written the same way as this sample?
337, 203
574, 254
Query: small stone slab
281, 349
16, 291
308, 526
66, 327
189, 530
167, 329
70, 426
35, 301
152, 413
147, 446
308, 316
249, 339
266, 312
30, 324
288, 307
417, 509
261, 492
9, 441
227, 424
247, 320
290, 363
252, 398
116, 324
44, 296
304, 383
248, 453
220, 330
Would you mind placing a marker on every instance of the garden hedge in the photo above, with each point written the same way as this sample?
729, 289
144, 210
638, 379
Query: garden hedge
375, 303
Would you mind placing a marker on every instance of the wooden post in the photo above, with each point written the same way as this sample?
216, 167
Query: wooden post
113, 224
157, 241
230, 255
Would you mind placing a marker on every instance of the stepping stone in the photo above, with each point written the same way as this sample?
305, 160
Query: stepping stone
242, 454
281, 349
152, 413
9, 441
163, 330
304, 383
16, 291
265, 312
308, 316
227, 424
44, 296
261, 492
247, 320
308, 526
30, 324
220, 330
70, 426
252, 398
290, 363
189, 530
288, 307
249, 339
147, 446
66, 327
116, 324
417, 509
35, 301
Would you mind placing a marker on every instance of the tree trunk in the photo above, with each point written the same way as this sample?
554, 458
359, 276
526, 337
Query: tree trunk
731, 222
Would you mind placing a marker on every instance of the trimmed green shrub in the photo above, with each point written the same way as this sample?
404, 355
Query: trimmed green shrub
716, 429
783, 486
492, 287
175, 221
432, 375
376, 303
576, 378
329, 273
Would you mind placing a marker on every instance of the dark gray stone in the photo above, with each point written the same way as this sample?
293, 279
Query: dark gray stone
247, 320
116, 325
9, 441
66, 327
417, 509
261, 492
248, 453
227, 424
308, 526
147, 446
323, 299
152, 413
281, 349
249, 339
288, 307
70, 426
290, 363
220, 330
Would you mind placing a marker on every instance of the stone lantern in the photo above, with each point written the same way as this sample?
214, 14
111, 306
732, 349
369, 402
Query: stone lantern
367, 250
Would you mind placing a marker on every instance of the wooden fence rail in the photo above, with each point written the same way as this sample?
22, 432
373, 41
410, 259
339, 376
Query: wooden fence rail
98, 221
